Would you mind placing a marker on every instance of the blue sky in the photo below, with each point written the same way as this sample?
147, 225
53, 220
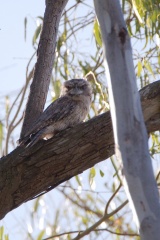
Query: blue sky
14, 51
14, 55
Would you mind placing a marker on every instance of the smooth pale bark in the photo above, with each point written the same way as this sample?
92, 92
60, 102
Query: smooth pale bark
44, 65
26, 173
130, 135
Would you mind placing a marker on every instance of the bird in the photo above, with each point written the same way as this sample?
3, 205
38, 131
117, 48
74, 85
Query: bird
70, 109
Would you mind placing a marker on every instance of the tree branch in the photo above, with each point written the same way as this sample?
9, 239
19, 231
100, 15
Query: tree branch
101, 220
44, 65
26, 173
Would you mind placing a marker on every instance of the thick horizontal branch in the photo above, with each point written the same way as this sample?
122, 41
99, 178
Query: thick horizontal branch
26, 173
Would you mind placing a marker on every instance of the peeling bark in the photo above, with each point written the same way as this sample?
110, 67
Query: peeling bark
26, 173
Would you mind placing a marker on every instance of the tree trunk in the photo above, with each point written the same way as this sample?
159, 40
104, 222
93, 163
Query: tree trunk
44, 65
130, 134
26, 173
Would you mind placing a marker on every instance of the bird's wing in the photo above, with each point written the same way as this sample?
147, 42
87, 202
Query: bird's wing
56, 111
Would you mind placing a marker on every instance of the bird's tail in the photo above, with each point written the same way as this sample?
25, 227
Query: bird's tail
34, 138
23, 141
30, 140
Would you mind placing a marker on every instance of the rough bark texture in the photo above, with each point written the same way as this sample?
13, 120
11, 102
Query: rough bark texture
130, 134
150, 101
26, 173
44, 65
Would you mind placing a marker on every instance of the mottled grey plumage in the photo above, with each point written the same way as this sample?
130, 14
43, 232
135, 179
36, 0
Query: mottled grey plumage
68, 110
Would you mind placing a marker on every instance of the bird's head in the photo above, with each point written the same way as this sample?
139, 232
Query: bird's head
76, 87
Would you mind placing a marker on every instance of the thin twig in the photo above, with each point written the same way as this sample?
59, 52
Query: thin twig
96, 230
22, 91
104, 218
111, 198
95, 225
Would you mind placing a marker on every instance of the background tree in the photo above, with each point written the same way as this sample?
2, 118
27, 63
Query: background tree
131, 143
67, 63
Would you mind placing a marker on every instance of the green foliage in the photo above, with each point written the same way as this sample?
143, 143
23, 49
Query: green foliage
146, 15
3, 236
92, 175
78, 180
7, 104
36, 34
41, 235
139, 68
97, 33
101, 173
155, 147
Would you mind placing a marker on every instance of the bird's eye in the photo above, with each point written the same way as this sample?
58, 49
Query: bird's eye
68, 88
82, 87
